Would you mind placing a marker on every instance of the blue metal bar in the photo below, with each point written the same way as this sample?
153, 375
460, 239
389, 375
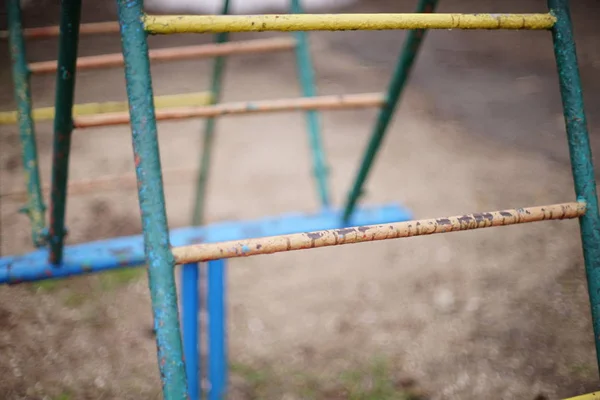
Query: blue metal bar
404, 66
120, 252
217, 356
70, 15
307, 82
152, 201
35, 207
191, 340
581, 153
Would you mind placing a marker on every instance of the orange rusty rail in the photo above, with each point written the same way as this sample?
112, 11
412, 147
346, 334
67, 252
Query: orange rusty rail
176, 53
53, 31
334, 237
335, 102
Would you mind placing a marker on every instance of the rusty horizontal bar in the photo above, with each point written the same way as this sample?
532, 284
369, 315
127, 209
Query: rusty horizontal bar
176, 53
170, 24
335, 102
53, 31
171, 100
334, 237
105, 183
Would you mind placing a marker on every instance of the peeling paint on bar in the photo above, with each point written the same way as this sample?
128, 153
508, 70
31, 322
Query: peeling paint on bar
176, 53
336, 102
171, 24
310, 240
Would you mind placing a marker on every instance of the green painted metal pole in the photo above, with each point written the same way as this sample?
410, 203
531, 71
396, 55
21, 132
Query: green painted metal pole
161, 264
209, 128
70, 14
35, 208
307, 83
405, 62
581, 153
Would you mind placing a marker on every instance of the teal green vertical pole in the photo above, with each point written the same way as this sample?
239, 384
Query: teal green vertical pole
405, 62
307, 82
35, 203
70, 14
581, 153
161, 264
209, 128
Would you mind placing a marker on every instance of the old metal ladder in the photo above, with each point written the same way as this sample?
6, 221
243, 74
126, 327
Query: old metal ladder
157, 249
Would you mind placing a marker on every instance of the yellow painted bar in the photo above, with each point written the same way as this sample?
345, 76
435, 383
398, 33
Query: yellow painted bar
168, 24
177, 100
588, 396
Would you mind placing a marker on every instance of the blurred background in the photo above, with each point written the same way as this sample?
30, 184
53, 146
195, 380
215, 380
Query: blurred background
496, 314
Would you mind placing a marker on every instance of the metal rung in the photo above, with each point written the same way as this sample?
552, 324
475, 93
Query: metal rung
53, 31
176, 53
105, 183
169, 24
177, 100
297, 104
311, 240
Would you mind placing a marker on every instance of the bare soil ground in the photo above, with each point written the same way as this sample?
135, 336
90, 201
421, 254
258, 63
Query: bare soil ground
492, 314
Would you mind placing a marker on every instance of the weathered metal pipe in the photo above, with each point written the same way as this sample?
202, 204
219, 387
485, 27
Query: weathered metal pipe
151, 197
53, 31
338, 102
170, 24
70, 15
35, 207
310, 240
176, 53
581, 153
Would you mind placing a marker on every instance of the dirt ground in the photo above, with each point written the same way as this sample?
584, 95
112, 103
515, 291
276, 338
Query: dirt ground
492, 314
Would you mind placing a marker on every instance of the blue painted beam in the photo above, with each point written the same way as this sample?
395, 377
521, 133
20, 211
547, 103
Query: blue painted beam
190, 295
128, 251
217, 332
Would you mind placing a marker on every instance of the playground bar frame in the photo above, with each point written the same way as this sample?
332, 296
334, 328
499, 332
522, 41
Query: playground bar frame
580, 152
176, 53
152, 201
43, 32
304, 67
174, 24
48, 113
333, 102
311, 240
70, 15
35, 207
404, 65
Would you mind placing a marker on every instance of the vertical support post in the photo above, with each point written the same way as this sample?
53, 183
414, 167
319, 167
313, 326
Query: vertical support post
209, 128
191, 344
70, 14
35, 204
152, 200
217, 356
304, 67
405, 62
580, 152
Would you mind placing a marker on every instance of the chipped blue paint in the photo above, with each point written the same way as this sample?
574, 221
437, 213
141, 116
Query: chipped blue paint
581, 154
159, 258
190, 308
304, 66
127, 251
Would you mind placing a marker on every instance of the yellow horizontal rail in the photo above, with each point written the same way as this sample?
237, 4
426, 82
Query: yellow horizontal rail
177, 100
358, 234
168, 24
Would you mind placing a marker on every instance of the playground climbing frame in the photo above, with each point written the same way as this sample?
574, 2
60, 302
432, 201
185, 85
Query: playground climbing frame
159, 254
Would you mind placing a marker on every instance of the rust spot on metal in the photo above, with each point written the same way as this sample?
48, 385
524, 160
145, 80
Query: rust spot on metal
441, 221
